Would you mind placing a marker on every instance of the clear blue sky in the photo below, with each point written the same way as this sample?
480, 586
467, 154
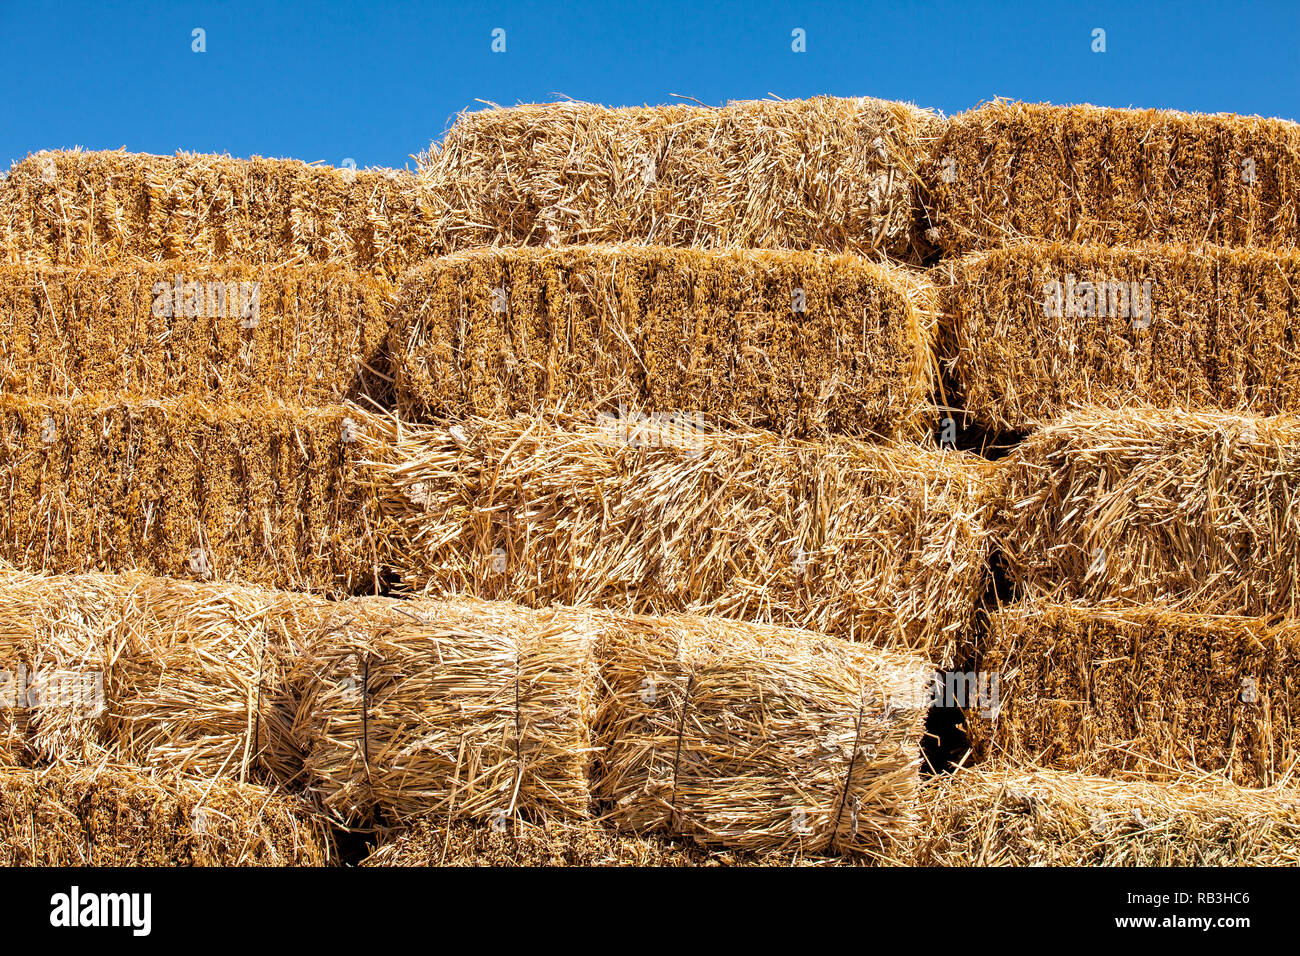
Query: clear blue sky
376, 81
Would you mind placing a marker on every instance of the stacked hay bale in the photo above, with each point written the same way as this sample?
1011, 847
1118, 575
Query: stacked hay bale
178, 335
177, 338
1119, 300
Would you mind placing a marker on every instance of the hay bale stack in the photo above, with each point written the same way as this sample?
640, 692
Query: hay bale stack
1144, 691
792, 342
75, 208
1039, 328
310, 335
881, 544
459, 709
1006, 816
758, 739
1008, 171
259, 494
119, 816
1188, 509
823, 173
177, 677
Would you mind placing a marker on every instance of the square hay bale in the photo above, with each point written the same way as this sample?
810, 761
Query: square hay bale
121, 816
170, 675
257, 494
1012, 816
1037, 329
309, 335
792, 342
758, 739
77, 208
881, 544
1189, 509
458, 709
433, 842
822, 173
1145, 691
1009, 171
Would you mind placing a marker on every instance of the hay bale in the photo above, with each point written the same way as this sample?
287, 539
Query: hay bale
1038, 328
885, 545
792, 342
431, 842
822, 173
310, 335
118, 816
173, 676
1188, 509
1009, 171
1008, 816
75, 208
1146, 691
758, 739
458, 709
259, 494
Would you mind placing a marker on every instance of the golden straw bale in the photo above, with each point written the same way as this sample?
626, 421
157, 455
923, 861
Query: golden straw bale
170, 675
1036, 329
121, 816
259, 494
1145, 691
823, 173
309, 335
433, 842
881, 544
1156, 505
462, 709
756, 738
792, 342
77, 208
1008, 171
994, 815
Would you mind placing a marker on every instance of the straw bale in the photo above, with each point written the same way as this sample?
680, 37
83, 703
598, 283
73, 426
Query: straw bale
312, 335
119, 816
1144, 691
260, 494
430, 842
1008, 171
174, 676
793, 342
823, 173
460, 709
75, 207
1195, 510
1203, 328
756, 738
1009, 816
885, 545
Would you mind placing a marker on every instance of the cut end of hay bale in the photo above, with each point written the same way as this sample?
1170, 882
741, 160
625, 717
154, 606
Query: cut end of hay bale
1194, 509
1035, 330
260, 494
118, 816
1001, 815
75, 207
1142, 691
823, 173
792, 342
1009, 171
310, 335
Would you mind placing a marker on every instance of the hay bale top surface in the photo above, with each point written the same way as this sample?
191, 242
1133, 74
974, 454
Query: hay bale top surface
1003, 110
124, 164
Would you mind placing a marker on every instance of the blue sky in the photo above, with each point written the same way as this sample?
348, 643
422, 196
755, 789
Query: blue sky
376, 81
